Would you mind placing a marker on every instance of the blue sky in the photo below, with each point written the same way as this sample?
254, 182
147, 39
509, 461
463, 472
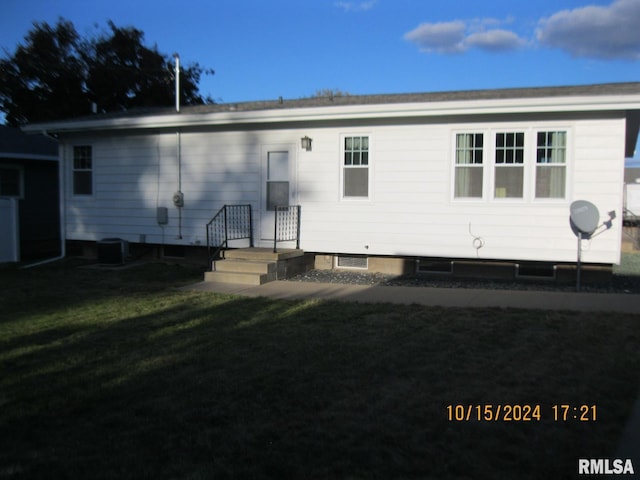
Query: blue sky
263, 49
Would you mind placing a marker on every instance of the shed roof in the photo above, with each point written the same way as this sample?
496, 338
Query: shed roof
16, 144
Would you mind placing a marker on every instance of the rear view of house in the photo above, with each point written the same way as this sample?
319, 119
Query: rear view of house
424, 178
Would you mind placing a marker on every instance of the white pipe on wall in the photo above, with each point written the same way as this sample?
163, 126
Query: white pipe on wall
177, 59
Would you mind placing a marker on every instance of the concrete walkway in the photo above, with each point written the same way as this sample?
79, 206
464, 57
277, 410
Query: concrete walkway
444, 297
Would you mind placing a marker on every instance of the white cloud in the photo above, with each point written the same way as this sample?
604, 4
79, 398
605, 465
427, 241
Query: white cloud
459, 36
495, 40
611, 32
445, 37
356, 6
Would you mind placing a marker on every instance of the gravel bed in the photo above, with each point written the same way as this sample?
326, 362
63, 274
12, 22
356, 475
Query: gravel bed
619, 284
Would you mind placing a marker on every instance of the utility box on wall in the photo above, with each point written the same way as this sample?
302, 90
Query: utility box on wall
162, 215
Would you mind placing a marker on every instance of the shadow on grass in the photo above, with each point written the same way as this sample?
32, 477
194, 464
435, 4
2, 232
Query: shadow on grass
184, 385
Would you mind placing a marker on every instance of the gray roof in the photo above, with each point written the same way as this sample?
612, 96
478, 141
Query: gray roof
383, 99
15, 143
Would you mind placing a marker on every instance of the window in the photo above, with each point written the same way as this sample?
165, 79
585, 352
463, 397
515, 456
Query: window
10, 182
277, 179
356, 167
509, 166
469, 167
530, 164
551, 164
82, 170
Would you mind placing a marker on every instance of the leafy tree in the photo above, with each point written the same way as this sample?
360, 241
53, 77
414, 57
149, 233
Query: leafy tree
44, 78
56, 74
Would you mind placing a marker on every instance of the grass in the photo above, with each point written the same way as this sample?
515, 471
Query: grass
629, 264
117, 374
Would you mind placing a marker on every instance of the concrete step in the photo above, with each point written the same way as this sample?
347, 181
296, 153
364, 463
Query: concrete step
251, 266
245, 266
263, 254
237, 278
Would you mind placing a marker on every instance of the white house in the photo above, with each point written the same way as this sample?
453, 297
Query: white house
486, 174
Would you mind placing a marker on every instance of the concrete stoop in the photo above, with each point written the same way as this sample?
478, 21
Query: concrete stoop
254, 266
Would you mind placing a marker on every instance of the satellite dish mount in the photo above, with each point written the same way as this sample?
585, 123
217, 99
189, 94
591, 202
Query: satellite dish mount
584, 221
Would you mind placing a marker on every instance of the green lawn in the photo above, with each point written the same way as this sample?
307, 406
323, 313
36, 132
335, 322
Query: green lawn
117, 374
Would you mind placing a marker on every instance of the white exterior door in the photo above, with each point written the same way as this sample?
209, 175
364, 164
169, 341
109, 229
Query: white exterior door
278, 186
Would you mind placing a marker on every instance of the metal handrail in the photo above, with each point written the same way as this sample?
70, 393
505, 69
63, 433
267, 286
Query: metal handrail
232, 222
286, 225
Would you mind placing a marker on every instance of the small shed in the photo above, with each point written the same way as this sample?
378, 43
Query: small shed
29, 196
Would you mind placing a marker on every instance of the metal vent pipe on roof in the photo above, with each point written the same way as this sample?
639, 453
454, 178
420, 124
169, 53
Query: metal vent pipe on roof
177, 59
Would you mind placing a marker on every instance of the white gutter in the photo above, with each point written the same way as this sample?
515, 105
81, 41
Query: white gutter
26, 156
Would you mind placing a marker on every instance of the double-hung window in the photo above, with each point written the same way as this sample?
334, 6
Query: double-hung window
356, 167
509, 165
469, 170
82, 170
551, 164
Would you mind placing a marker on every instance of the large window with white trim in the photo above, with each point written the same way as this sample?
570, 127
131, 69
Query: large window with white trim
355, 179
505, 164
469, 171
551, 164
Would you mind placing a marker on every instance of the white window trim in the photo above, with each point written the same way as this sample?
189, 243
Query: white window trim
568, 163
530, 163
369, 197
486, 175
526, 180
72, 171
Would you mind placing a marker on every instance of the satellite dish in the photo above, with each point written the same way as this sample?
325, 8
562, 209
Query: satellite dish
584, 218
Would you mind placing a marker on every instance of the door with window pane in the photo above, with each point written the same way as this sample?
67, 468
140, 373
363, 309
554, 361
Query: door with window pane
276, 187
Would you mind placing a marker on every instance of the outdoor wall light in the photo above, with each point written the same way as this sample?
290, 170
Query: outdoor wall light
305, 142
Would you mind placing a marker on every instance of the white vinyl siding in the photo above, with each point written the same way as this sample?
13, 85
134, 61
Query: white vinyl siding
411, 209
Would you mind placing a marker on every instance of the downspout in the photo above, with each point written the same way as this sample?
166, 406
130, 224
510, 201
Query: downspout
178, 147
180, 205
61, 202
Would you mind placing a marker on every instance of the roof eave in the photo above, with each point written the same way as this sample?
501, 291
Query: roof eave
350, 112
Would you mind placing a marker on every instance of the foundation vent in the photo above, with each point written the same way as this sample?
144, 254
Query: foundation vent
361, 263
